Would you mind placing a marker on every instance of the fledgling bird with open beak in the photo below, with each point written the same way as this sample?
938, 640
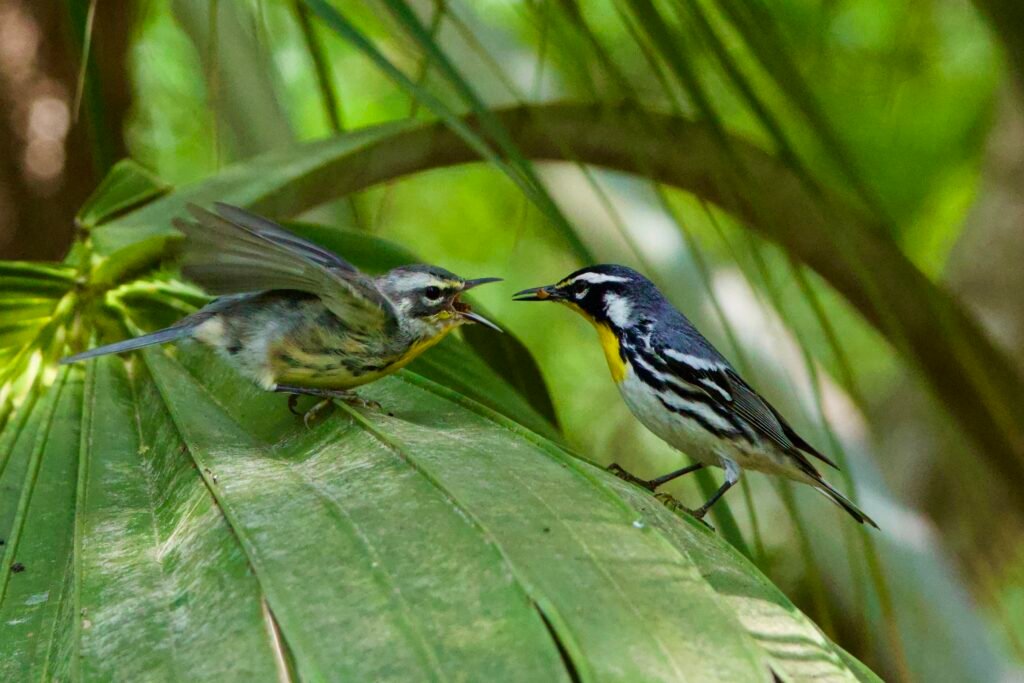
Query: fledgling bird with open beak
681, 388
296, 318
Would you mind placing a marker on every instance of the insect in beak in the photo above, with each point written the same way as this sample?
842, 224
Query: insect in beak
545, 293
465, 311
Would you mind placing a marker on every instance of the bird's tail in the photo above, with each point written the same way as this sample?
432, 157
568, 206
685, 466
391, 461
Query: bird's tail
158, 337
842, 501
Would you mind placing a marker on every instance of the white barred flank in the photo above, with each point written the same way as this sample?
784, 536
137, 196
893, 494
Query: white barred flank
699, 409
711, 384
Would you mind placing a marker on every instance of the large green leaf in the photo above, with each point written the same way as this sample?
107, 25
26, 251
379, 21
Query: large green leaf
162, 587
165, 519
211, 536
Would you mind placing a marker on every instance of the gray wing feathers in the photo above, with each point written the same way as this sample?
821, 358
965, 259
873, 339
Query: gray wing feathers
754, 410
763, 417
271, 231
239, 252
716, 378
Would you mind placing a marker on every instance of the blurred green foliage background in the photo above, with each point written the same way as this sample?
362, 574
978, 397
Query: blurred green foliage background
921, 95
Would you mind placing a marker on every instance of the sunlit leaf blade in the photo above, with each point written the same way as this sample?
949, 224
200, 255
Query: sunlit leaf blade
391, 597
25, 307
38, 530
164, 590
794, 645
539, 507
35, 271
126, 186
21, 331
19, 285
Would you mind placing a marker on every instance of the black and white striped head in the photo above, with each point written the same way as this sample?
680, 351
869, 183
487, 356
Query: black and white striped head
427, 299
608, 294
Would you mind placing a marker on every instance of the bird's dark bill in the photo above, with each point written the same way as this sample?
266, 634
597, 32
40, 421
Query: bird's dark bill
470, 284
535, 294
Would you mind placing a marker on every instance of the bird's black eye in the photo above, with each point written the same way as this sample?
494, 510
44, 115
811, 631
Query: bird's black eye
432, 292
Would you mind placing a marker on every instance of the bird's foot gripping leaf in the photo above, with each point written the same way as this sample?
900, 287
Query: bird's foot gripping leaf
326, 396
673, 504
621, 473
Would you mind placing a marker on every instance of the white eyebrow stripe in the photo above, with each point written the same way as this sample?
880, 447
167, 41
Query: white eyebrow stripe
410, 281
597, 278
695, 362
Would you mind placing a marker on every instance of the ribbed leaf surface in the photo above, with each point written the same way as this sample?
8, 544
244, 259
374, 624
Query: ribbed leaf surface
165, 519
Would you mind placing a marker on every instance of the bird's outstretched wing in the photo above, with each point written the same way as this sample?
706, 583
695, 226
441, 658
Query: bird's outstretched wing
237, 252
726, 388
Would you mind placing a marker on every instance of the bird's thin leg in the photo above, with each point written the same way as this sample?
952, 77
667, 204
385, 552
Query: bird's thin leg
666, 478
326, 396
703, 509
732, 475
313, 391
652, 484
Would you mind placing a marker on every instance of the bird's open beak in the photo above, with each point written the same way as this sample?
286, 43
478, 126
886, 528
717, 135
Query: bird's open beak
464, 310
470, 284
545, 293
477, 318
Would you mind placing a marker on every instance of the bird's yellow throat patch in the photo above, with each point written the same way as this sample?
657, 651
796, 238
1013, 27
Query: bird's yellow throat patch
609, 342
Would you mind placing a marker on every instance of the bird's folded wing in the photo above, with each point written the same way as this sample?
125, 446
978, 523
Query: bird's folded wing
725, 387
237, 252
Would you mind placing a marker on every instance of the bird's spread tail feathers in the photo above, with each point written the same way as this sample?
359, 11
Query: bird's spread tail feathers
842, 501
159, 337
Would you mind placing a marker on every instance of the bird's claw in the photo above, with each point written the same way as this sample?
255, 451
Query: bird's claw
310, 415
621, 473
359, 402
669, 501
347, 397
674, 505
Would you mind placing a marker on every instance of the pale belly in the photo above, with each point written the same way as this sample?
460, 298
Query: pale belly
282, 342
677, 431
289, 365
691, 438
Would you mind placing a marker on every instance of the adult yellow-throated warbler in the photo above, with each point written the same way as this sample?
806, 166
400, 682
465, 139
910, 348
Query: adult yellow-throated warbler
299, 319
681, 388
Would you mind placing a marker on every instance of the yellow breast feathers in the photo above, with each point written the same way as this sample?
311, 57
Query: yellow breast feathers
610, 344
